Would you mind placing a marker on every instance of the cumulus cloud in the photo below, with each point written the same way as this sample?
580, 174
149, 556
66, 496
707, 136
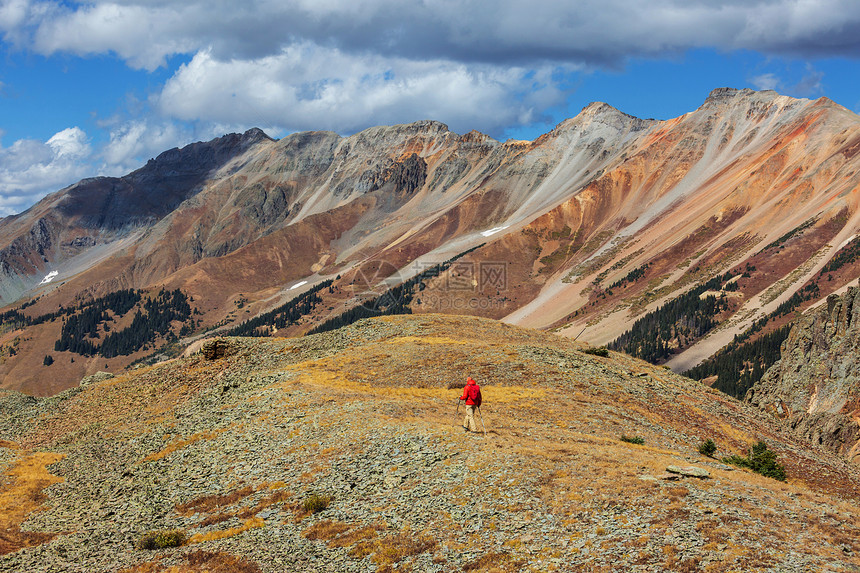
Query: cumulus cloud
588, 31
308, 87
768, 81
810, 84
343, 65
134, 140
29, 169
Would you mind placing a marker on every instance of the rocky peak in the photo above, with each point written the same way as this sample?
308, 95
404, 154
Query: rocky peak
254, 135
731, 96
600, 119
476, 136
596, 108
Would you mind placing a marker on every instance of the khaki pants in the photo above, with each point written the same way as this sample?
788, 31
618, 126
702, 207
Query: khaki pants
469, 421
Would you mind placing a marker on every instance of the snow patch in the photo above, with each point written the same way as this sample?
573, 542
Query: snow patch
49, 277
493, 231
298, 284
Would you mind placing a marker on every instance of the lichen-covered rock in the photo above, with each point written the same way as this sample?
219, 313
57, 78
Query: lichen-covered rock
815, 387
215, 349
93, 378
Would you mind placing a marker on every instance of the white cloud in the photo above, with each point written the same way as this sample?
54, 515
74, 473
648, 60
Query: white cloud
134, 141
343, 65
300, 64
308, 87
142, 35
767, 81
71, 143
810, 84
29, 169
13, 13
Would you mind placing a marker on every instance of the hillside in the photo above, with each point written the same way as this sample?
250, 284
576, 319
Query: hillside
607, 220
227, 444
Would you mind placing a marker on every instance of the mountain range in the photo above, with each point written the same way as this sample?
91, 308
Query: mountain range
671, 240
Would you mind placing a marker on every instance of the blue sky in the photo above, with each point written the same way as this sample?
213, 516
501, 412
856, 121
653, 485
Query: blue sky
99, 88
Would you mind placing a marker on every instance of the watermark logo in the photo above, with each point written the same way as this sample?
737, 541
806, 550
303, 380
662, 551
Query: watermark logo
493, 275
469, 276
372, 282
459, 285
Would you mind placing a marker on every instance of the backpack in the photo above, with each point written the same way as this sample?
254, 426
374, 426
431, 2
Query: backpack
474, 394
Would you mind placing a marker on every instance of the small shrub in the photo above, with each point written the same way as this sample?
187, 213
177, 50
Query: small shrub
599, 351
708, 447
315, 503
161, 539
761, 460
638, 440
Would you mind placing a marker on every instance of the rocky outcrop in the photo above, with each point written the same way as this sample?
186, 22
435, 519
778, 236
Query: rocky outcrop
815, 387
216, 349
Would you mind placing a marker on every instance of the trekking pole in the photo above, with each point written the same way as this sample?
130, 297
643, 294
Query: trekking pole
457, 415
482, 420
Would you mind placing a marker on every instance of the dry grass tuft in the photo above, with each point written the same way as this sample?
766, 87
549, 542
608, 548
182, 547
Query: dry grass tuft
199, 562
148, 567
252, 523
392, 549
179, 444
495, 563
217, 562
209, 502
326, 530
277, 497
359, 535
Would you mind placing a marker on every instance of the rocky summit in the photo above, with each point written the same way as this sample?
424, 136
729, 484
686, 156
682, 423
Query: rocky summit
344, 451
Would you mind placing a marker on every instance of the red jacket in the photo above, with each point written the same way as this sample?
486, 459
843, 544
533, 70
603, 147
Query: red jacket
471, 393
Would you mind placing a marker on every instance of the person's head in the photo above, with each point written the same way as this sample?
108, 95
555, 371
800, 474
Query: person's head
469, 380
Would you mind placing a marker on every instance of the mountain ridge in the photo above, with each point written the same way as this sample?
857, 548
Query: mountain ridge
569, 214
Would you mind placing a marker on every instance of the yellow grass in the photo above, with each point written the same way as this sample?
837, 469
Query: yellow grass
252, 523
23, 495
179, 444
326, 530
419, 340
29, 476
327, 374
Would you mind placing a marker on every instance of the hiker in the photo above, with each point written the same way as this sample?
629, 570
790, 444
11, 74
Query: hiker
472, 396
